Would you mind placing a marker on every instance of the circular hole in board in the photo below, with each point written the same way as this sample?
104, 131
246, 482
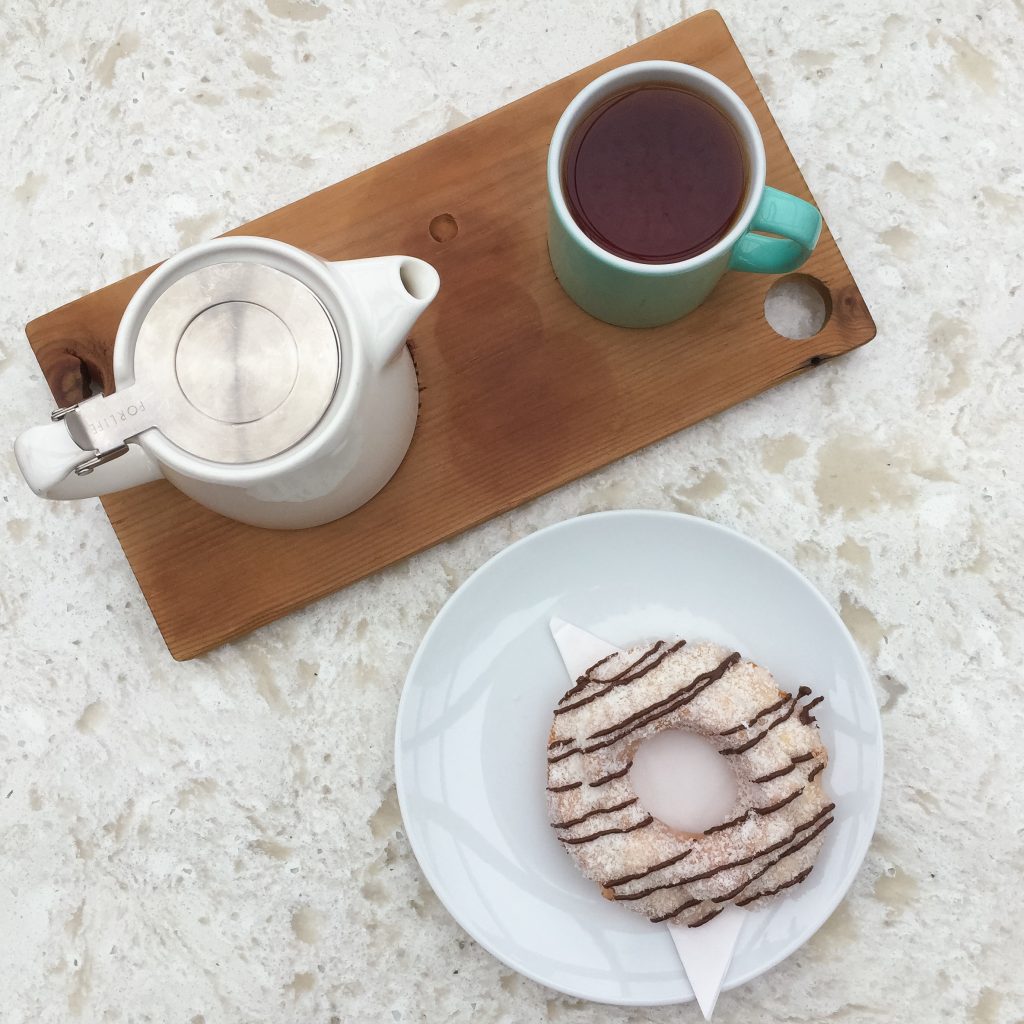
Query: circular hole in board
74, 379
797, 306
443, 228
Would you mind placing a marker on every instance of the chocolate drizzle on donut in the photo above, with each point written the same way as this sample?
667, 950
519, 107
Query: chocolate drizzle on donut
651, 713
806, 717
785, 769
753, 741
757, 718
566, 753
662, 707
707, 917
726, 897
727, 824
593, 813
816, 771
795, 880
554, 744
689, 904
565, 788
608, 832
623, 677
711, 872
586, 679
596, 665
762, 811
649, 871
612, 776
779, 804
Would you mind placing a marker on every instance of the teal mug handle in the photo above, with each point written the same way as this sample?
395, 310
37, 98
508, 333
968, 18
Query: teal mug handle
782, 214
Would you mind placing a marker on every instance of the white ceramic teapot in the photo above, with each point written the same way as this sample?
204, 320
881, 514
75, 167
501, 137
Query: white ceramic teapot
267, 384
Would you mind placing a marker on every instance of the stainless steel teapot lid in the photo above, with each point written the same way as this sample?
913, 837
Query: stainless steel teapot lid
240, 359
234, 362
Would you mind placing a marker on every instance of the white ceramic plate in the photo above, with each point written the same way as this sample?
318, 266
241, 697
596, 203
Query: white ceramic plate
470, 751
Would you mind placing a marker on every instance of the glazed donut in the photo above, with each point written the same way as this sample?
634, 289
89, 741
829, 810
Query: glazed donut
771, 838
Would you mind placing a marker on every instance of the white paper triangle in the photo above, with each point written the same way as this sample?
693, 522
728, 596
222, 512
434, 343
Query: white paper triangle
578, 648
704, 952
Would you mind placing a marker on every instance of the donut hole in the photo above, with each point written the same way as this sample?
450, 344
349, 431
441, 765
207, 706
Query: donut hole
683, 781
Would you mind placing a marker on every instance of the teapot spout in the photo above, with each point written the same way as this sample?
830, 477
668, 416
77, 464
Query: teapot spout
392, 291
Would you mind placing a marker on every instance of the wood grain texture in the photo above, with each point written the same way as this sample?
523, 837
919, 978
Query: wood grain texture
520, 391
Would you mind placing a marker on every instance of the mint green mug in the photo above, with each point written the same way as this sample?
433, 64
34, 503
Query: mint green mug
633, 294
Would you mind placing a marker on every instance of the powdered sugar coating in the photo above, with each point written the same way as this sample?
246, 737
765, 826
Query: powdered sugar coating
771, 838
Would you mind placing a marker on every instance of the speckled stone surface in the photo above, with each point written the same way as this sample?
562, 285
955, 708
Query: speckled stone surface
219, 841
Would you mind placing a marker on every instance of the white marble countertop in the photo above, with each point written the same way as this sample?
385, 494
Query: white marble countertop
219, 841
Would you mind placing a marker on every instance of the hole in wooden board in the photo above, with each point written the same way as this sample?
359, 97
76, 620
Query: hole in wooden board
797, 306
73, 379
443, 228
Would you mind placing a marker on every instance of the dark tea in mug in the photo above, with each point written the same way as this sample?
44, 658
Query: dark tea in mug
655, 174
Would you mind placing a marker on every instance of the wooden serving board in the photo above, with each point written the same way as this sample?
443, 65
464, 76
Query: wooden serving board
520, 391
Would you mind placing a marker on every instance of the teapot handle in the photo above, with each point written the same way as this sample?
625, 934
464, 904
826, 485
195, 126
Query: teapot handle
54, 466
